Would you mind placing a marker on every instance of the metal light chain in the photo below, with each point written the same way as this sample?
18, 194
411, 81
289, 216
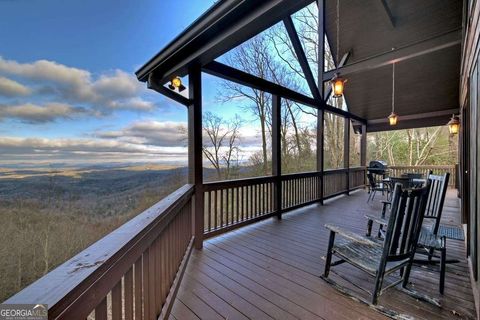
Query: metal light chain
338, 30
393, 87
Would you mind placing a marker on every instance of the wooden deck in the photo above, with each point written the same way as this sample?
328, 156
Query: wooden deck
270, 270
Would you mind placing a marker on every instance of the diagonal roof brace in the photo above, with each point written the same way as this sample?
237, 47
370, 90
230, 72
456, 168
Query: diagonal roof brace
302, 58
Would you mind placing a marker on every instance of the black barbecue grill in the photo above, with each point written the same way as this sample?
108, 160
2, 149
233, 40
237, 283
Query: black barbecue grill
378, 167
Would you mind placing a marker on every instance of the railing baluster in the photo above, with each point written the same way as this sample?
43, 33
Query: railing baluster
151, 280
117, 301
101, 310
221, 208
216, 202
128, 289
236, 204
209, 211
138, 289
157, 276
146, 285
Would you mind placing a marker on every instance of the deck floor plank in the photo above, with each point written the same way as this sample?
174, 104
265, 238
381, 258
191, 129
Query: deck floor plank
271, 269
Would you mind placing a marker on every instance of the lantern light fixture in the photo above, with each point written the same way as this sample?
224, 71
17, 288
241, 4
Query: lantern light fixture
393, 118
338, 82
453, 125
176, 83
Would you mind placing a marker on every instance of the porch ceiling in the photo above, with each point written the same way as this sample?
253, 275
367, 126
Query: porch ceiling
422, 37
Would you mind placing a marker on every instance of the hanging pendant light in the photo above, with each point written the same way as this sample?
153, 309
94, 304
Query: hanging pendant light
453, 125
338, 82
393, 117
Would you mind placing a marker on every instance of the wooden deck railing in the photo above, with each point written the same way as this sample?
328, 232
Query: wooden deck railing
134, 272
229, 203
300, 189
397, 171
233, 203
128, 274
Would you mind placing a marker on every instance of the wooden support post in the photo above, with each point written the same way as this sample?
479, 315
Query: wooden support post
195, 162
277, 154
346, 151
320, 151
321, 112
363, 151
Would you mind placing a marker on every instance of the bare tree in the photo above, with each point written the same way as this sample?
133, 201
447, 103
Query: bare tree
221, 140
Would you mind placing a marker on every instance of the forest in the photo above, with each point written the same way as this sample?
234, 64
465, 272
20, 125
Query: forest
49, 216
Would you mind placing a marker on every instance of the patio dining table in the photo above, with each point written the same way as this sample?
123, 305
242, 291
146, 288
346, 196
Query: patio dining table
416, 182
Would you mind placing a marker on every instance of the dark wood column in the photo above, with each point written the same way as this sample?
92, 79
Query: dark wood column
320, 112
277, 154
195, 163
320, 151
363, 147
363, 150
346, 150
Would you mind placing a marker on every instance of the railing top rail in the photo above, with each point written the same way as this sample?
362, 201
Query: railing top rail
333, 171
358, 168
65, 284
237, 182
301, 175
445, 166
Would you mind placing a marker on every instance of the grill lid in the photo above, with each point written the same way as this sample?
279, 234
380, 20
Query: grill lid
378, 165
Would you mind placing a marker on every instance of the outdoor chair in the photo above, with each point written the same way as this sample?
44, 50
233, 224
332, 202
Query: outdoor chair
375, 186
394, 253
429, 240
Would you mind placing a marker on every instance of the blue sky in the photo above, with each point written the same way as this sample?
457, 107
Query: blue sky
68, 93
67, 86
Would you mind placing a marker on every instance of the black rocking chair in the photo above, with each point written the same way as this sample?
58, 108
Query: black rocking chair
429, 239
396, 252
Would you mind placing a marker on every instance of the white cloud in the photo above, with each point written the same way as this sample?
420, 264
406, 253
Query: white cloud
32, 113
42, 149
118, 84
10, 88
107, 92
136, 104
156, 133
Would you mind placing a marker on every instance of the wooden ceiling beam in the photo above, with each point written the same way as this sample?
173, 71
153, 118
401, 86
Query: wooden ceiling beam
418, 116
231, 74
388, 12
417, 49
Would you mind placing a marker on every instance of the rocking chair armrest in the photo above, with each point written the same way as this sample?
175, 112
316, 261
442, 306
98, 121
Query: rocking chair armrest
377, 219
350, 235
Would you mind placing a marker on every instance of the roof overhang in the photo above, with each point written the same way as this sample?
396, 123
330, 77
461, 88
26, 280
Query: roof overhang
376, 34
224, 26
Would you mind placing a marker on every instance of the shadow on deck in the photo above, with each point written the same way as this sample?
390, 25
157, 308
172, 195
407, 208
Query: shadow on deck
271, 270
